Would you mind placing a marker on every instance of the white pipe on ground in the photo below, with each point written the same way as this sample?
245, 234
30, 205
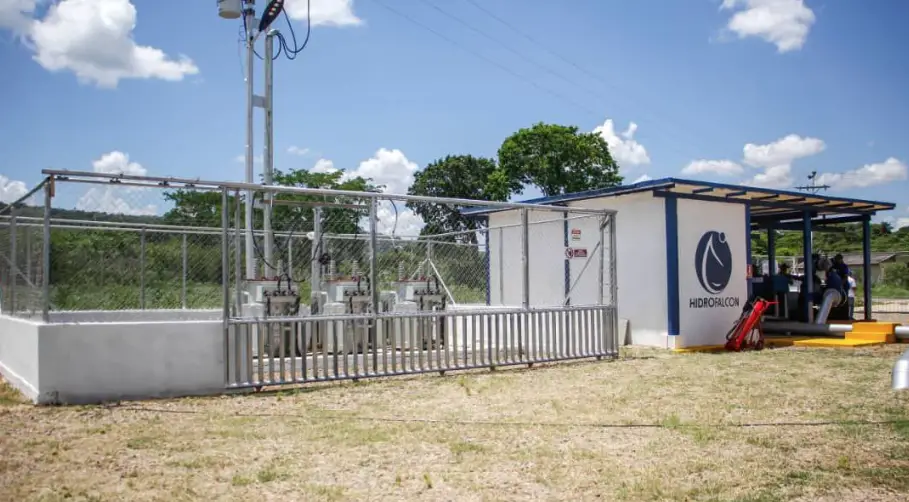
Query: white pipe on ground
902, 332
801, 328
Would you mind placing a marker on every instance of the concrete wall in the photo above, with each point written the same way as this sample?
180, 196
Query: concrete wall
91, 362
19, 354
710, 304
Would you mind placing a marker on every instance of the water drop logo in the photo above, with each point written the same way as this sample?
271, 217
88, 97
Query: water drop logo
713, 262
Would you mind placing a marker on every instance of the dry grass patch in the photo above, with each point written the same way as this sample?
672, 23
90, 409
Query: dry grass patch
653, 426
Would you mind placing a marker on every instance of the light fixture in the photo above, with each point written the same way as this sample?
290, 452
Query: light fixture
272, 11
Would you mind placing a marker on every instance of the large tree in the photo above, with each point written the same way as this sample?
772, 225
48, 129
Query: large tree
458, 176
558, 159
200, 208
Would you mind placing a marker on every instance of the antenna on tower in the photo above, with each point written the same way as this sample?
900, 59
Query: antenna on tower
812, 185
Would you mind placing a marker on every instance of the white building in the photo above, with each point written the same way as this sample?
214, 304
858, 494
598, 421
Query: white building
682, 250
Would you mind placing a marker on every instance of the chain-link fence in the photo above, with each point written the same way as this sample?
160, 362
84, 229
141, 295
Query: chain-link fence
22, 251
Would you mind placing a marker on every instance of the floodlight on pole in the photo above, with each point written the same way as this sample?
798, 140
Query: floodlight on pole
272, 11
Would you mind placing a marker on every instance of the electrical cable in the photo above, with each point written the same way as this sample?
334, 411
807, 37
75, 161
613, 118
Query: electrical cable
488, 60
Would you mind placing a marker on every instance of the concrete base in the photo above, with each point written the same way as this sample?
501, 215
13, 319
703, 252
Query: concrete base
114, 356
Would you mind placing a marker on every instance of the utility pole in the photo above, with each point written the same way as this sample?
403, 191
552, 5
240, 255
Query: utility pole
234, 9
249, 13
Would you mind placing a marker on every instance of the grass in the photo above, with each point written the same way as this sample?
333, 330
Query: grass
652, 426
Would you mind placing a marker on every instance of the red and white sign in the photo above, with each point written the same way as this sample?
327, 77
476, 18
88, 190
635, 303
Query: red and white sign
575, 234
575, 253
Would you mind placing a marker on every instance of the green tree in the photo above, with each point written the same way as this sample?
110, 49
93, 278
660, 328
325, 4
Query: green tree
558, 159
458, 176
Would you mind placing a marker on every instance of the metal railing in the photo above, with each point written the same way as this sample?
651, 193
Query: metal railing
507, 293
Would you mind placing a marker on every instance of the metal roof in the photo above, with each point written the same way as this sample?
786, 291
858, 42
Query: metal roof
765, 203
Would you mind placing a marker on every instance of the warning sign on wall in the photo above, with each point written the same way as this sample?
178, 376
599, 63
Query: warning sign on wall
575, 253
575, 234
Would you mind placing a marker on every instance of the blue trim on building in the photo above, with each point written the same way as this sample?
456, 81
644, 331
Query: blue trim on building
748, 258
567, 261
718, 192
808, 268
866, 266
672, 264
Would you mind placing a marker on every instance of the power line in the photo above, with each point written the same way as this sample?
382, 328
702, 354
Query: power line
506, 46
564, 59
488, 60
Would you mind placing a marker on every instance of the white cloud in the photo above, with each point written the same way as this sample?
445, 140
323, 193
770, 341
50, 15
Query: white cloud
719, 167
113, 199
324, 12
11, 190
323, 166
623, 147
395, 171
93, 39
16, 15
868, 175
390, 168
105, 200
296, 150
641, 178
782, 151
784, 23
776, 159
117, 162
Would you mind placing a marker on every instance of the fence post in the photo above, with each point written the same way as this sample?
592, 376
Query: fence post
142, 269
525, 258
14, 268
501, 267
45, 252
373, 282
237, 261
185, 271
225, 281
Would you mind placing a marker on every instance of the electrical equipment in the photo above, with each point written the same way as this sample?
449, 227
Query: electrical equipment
230, 9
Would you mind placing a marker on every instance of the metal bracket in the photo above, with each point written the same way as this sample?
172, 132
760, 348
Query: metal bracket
258, 101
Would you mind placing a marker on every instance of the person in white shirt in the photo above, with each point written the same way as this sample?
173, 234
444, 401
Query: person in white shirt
850, 292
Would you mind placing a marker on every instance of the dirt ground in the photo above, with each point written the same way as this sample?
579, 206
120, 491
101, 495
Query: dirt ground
783, 424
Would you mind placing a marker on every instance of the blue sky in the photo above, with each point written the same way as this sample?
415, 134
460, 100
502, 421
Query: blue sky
757, 91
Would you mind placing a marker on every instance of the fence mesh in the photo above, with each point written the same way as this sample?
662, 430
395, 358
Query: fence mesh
21, 255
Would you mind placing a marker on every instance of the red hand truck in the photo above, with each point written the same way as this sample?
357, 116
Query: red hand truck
746, 333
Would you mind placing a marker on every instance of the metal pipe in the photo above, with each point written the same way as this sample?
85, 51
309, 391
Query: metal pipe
902, 332
14, 267
324, 191
185, 271
142, 269
866, 266
225, 280
45, 252
268, 157
805, 329
237, 269
422, 314
250, 22
315, 280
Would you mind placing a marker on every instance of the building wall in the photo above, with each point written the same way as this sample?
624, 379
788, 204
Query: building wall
709, 303
547, 258
640, 262
640, 255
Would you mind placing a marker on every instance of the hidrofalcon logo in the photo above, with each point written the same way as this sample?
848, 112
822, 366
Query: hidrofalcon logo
713, 262
713, 266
